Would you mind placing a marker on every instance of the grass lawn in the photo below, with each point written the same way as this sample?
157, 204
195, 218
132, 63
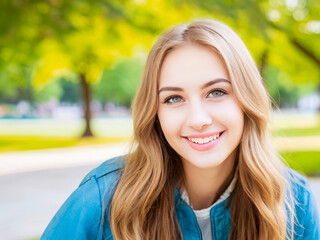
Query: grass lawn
32, 134
295, 125
22, 143
72, 128
20, 135
307, 163
297, 132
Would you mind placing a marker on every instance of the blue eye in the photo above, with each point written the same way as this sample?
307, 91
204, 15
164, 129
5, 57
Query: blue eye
173, 99
216, 93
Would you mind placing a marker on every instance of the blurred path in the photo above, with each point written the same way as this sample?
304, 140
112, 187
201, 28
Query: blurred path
26, 161
29, 200
34, 184
303, 143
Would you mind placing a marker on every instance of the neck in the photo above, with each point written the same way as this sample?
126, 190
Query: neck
204, 186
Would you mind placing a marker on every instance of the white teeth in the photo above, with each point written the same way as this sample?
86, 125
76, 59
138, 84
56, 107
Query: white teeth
204, 140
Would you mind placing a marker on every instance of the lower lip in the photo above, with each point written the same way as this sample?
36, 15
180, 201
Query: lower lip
205, 146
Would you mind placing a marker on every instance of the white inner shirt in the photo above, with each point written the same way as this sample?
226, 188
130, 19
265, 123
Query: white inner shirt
203, 215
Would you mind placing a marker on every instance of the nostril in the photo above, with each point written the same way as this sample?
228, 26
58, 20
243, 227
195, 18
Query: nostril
199, 121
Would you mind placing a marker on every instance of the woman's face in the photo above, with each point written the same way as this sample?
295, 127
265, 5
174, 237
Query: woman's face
198, 112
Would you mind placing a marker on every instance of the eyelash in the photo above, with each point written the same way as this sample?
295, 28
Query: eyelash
168, 99
221, 91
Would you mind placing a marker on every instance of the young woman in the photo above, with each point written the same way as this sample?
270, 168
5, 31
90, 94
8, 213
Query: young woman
202, 165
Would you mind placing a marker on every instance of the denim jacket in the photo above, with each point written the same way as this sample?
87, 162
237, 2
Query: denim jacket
84, 215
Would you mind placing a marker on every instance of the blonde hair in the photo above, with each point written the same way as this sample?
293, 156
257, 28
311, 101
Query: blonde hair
143, 202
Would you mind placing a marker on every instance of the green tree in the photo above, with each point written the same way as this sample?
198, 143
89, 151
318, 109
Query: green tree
119, 83
70, 91
284, 34
16, 84
85, 50
82, 36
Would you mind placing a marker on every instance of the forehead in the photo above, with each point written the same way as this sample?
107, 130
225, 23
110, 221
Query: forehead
191, 63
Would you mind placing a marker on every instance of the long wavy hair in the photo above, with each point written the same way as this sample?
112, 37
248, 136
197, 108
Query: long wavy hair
143, 203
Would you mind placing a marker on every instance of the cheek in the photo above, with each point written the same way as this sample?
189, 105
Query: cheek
237, 121
170, 122
233, 117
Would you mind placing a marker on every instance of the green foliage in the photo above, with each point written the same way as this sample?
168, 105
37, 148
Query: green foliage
8, 90
87, 37
71, 92
16, 84
287, 30
281, 89
51, 90
119, 83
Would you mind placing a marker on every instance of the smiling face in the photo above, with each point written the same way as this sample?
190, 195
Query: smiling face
198, 112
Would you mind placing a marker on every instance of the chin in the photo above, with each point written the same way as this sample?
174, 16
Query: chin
205, 162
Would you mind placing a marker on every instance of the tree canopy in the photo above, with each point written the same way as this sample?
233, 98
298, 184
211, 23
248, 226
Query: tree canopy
43, 41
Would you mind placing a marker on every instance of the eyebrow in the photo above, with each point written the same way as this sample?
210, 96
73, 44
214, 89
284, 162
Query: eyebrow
208, 84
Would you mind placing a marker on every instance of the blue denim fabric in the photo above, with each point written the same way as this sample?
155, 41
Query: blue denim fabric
84, 215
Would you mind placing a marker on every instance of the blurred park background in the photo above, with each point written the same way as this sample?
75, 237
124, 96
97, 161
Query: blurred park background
69, 69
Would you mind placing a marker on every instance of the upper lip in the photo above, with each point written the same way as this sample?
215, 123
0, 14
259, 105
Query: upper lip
203, 135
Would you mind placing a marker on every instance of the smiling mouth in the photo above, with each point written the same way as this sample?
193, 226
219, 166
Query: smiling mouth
206, 139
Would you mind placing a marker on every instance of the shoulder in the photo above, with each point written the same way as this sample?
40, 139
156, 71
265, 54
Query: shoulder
300, 188
80, 217
107, 169
106, 176
307, 222
298, 182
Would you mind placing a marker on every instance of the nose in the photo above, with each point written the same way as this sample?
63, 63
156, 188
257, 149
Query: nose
198, 116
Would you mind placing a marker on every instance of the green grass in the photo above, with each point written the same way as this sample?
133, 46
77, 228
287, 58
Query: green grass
297, 132
22, 143
20, 135
296, 126
101, 127
307, 163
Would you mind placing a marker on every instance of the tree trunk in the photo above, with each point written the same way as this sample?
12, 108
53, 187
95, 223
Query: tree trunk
86, 96
263, 61
319, 105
